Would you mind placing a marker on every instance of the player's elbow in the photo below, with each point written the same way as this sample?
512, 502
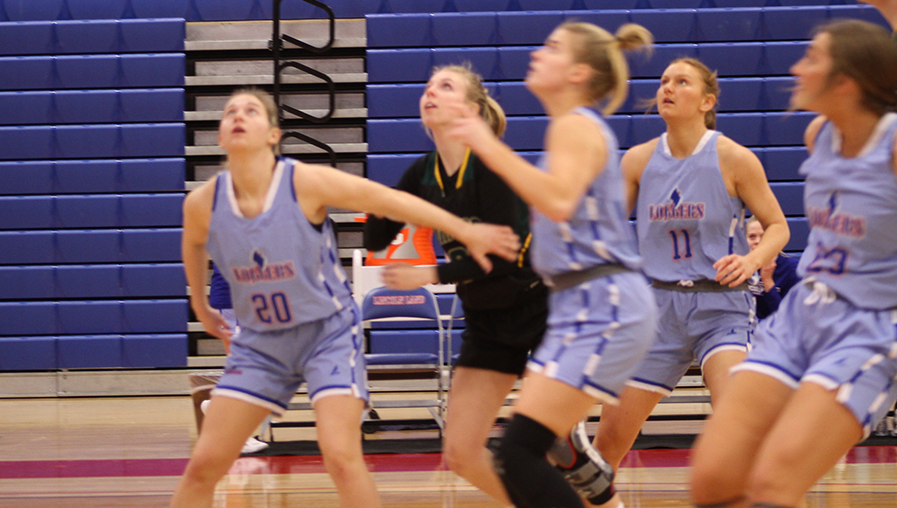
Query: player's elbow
559, 210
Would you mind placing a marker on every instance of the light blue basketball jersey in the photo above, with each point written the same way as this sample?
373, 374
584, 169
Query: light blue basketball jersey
851, 205
686, 218
599, 232
281, 269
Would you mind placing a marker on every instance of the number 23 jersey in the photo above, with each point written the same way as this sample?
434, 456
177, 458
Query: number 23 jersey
283, 270
851, 206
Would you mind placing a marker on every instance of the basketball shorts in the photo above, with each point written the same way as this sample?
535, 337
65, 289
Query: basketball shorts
693, 326
598, 332
267, 368
818, 337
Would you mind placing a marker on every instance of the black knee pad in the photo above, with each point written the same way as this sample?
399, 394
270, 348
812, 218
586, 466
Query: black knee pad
529, 479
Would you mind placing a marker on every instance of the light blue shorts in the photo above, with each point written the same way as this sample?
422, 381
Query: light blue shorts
816, 337
693, 326
598, 332
266, 368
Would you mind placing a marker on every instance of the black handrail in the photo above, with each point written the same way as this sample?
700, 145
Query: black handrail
276, 45
312, 141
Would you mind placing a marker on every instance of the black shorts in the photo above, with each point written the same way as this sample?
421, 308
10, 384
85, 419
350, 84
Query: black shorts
502, 339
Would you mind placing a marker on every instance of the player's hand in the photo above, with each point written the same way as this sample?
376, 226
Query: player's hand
483, 239
766, 274
734, 269
473, 132
216, 325
404, 276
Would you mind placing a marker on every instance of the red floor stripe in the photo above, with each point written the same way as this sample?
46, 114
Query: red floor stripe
313, 464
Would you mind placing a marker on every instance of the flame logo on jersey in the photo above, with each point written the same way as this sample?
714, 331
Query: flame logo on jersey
832, 219
262, 271
675, 209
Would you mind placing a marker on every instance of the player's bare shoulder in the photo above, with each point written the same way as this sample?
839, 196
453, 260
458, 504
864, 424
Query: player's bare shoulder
200, 199
735, 157
636, 159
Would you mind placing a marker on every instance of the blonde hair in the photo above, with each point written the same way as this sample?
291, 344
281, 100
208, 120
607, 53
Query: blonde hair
603, 53
490, 110
866, 53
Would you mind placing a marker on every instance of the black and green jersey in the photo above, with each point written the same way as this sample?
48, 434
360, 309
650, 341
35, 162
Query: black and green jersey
476, 194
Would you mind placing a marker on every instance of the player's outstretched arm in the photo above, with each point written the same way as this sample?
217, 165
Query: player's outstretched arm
320, 187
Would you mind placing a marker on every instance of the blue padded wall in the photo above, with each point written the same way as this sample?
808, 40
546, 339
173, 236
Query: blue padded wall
91, 187
239, 10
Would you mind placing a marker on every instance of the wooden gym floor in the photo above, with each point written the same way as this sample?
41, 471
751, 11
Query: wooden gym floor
129, 452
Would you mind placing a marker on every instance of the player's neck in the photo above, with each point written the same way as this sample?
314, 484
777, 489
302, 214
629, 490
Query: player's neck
451, 153
563, 102
252, 173
855, 129
683, 137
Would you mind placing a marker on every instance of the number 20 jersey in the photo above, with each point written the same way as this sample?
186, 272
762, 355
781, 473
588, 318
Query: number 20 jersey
851, 207
686, 218
282, 270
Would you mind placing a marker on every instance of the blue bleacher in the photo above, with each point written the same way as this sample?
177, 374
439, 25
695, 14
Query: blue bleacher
467, 29
511, 62
91, 176
92, 141
162, 9
91, 186
737, 94
92, 106
93, 351
526, 133
90, 246
90, 211
240, 10
47, 282
154, 350
751, 44
27, 353
92, 71
780, 162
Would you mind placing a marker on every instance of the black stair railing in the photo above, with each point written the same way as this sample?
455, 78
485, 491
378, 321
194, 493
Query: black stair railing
280, 65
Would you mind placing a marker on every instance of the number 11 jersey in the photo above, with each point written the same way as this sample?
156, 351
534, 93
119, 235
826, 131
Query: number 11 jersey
686, 218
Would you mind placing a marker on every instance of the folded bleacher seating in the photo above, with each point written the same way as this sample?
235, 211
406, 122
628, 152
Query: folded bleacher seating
91, 187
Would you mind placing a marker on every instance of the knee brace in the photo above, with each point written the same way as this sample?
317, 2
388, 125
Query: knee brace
531, 482
582, 466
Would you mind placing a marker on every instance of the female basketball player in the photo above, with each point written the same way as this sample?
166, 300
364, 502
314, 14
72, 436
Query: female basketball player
602, 314
692, 184
264, 222
504, 310
822, 368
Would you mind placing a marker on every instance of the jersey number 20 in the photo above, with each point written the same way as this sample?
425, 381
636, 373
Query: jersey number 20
276, 307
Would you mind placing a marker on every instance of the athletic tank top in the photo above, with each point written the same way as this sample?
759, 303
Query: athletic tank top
282, 270
598, 232
851, 206
686, 218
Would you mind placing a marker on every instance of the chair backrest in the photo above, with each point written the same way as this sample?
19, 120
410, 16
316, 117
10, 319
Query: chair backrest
366, 278
381, 302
